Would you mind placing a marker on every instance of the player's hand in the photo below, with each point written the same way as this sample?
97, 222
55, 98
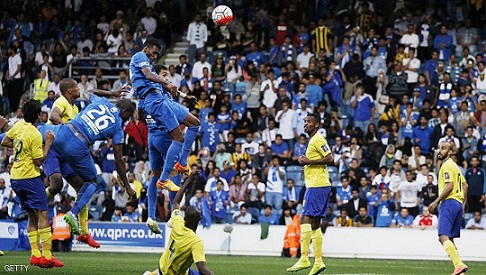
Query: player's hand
432, 206
191, 98
49, 136
174, 91
131, 194
3, 122
121, 92
304, 160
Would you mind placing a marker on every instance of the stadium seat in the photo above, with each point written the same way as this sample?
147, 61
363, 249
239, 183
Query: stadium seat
295, 172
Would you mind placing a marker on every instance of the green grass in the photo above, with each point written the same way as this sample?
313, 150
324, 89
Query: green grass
94, 263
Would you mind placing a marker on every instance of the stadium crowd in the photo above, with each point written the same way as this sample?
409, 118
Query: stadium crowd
388, 86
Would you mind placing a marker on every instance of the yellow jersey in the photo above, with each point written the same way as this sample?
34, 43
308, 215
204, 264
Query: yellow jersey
317, 175
322, 37
185, 247
27, 145
68, 111
450, 172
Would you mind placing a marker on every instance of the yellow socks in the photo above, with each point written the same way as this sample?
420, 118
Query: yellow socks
83, 220
46, 237
49, 195
317, 244
34, 243
305, 238
453, 254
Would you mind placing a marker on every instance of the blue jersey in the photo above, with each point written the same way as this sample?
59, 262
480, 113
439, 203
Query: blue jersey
99, 121
140, 82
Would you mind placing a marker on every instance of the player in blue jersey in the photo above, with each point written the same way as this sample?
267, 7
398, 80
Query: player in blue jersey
99, 121
149, 86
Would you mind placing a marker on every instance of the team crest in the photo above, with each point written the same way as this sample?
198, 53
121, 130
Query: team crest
447, 176
11, 230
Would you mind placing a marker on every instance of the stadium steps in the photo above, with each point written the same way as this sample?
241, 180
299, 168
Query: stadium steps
173, 53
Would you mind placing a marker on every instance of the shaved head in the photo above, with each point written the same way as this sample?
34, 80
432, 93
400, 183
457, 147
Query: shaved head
192, 217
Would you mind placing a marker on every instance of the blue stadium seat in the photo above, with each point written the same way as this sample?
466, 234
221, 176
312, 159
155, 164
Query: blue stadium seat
295, 172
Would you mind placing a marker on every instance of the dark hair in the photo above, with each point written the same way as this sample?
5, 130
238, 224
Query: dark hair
126, 104
317, 117
31, 110
151, 43
65, 84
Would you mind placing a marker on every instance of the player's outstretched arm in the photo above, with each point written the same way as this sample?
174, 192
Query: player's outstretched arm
180, 193
120, 169
117, 93
203, 269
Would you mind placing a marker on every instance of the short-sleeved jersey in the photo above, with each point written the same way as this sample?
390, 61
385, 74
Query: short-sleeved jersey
68, 111
142, 85
317, 175
99, 121
450, 172
185, 247
27, 142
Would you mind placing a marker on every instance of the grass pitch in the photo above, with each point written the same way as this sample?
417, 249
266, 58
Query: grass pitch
93, 263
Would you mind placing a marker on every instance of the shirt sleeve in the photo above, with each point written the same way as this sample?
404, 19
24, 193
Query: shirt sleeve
177, 220
198, 252
324, 147
12, 132
141, 62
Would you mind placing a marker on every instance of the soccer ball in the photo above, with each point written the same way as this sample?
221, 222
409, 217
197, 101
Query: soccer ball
222, 15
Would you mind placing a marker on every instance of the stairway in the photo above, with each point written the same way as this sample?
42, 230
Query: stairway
180, 47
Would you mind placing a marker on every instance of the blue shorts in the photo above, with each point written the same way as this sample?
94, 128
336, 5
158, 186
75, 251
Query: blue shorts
74, 149
55, 163
316, 201
180, 111
450, 218
160, 108
31, 192
158, 144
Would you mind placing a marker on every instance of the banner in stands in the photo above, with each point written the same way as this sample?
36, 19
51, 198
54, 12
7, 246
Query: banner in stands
126, 234
9, 235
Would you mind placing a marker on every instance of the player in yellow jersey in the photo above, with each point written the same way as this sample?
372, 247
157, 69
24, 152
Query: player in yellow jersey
55, 168
185, 247
27, 183
452, 198
316, 198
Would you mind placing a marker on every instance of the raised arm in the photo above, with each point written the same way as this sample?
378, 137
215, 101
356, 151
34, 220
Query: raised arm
157, 79
180, 193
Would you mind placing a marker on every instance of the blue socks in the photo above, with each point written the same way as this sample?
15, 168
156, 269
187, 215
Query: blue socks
152, 197
84, 195
171, 159
189, 139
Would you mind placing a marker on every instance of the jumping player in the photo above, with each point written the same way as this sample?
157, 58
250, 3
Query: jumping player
316, 198
27, 183
149, 87
99, 121
453, 193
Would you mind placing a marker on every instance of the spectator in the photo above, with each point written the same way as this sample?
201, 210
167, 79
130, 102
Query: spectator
355, 203
291, 195
364, 188
397, 81
421, 135
48, 102
174, 77
133, 151
252, 96
237, 191
138, 130
364, 108
269, 90
255, 56
280, 148
250, 146
372, 65
470, 144
443, 44
313, 91
287, 117
233, 71
477, 222
345, 52
132, 214
304, 57
211, 184
197, 35
384, 209
287, 51
242, 216
274, 189
221, 156
467, 37
343, 193
260, 161
40, 86
219, 200
403, 219
210, 133
239, 154
14, 77
425, 220
344, 220
197, 68
362, 219
411, 64
407, 193
476, 179
268, 217
292, 239
299, 149
6, 195
202, 204
269, 134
